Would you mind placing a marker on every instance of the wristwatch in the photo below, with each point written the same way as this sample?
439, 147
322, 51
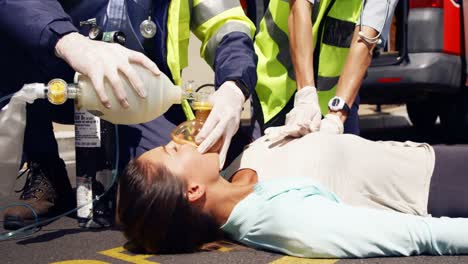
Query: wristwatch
338, 104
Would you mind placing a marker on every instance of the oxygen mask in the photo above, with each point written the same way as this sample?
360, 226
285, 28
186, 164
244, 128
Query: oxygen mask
186, 132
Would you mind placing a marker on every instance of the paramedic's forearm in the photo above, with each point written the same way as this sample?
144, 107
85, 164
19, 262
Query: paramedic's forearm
236, 60
37, 25
301, 42
357, 62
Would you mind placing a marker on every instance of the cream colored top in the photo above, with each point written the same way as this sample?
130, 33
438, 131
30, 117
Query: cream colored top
386, 175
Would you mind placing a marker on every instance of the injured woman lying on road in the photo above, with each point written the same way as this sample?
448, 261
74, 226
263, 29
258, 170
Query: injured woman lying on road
319, 196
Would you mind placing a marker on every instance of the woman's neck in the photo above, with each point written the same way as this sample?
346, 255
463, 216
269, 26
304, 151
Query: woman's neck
244, 176
224, 196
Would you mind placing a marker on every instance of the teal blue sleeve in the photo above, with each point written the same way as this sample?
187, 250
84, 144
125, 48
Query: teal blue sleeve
315, 226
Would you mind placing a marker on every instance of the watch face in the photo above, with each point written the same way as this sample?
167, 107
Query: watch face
335, 102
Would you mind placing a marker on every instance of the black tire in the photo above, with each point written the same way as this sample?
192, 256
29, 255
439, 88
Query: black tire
423, 114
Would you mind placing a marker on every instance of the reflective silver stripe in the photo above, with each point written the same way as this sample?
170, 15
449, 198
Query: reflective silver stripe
207, 9
326, 83
229, 27
282, 40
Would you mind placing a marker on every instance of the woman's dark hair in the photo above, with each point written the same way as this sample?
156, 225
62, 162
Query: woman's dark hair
155, 214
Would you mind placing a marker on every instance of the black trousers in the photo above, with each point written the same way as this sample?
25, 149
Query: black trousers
39, 138
448, 193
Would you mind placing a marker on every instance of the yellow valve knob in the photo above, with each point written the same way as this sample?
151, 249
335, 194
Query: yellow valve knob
57, 92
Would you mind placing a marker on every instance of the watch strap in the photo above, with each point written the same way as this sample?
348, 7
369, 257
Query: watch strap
346, 108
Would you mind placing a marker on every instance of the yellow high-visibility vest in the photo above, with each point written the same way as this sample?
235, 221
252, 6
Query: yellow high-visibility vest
210, 21
333, 26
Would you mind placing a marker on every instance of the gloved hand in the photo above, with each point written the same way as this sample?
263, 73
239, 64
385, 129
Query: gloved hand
331, 124
99, 60
302, 119
223, 121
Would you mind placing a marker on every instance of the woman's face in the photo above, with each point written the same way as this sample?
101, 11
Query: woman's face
185, 161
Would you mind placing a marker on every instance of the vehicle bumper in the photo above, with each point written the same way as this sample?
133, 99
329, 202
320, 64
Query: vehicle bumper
422, 73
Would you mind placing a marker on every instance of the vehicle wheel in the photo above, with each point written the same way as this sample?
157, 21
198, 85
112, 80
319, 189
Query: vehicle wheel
422, 114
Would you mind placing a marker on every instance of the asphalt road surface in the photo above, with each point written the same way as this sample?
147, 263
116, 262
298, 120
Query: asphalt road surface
64, 242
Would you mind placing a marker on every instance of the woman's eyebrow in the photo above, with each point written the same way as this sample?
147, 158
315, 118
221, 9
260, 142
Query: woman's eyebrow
164, 148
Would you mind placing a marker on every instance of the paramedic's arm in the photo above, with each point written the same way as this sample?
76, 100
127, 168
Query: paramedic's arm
357, 62
301, 41
227, 35
36, 26
227, 46
41, 26
305, 116
376, 18
334, 230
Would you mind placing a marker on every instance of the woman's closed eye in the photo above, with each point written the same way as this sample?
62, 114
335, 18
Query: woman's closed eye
171, 148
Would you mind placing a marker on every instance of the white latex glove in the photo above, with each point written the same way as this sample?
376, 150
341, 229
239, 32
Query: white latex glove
302, 119
331, 124
99, 60
223, 121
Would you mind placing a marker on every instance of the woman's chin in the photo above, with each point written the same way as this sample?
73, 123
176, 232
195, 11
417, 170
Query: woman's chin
212, 160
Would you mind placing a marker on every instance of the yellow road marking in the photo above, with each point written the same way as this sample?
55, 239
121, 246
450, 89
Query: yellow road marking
119, 253
295, 260
224, 249
220, 245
